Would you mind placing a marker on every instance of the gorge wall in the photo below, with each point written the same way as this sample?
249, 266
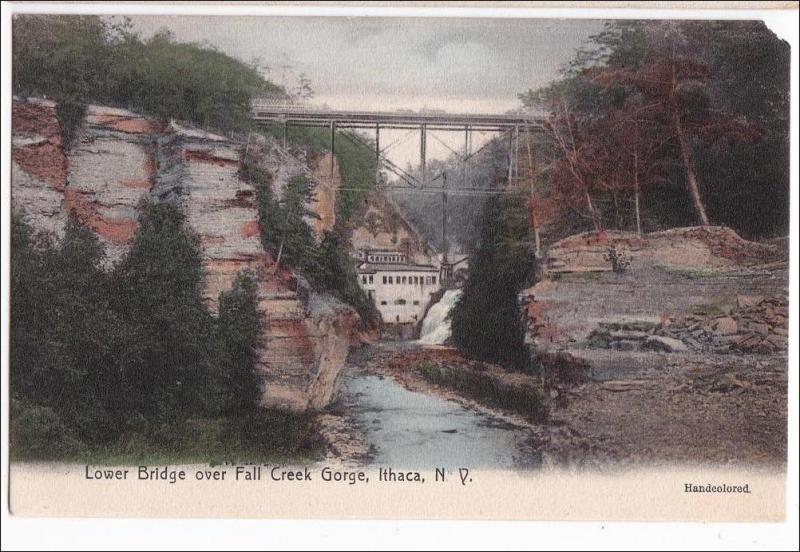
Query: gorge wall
701, 290
119, 157
380, 225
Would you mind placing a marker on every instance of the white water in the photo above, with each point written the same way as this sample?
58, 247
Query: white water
436, 326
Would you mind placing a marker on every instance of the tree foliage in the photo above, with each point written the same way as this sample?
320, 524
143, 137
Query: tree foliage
486, 322
287, 235
97, 355
689, 100
91, 59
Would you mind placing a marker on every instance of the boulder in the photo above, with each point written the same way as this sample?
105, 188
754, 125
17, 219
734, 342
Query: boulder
665, 344
748, 300
725, 326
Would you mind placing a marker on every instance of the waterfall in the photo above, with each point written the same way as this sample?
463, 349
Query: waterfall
436, 326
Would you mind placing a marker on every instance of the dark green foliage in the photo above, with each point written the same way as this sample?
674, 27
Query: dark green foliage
335, 272
129, 360
286, 233
171, 346
87, 59
61, 57
747, 184
241, 331
486, 323
521, 399
354, 155
70, 114
40, 431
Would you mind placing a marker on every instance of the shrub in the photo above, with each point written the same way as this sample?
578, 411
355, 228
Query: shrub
38, 432
484, 388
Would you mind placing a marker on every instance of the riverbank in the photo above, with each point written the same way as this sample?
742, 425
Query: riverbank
686, 409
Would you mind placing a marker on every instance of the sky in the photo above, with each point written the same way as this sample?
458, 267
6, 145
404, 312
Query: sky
458, 65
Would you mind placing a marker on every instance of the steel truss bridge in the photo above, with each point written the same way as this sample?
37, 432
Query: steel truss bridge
509, 127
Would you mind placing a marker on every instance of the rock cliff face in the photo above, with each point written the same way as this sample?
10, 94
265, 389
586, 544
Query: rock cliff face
38, 165
682, 290
328, 182
111, 167
120, 157
308, 333
379, 225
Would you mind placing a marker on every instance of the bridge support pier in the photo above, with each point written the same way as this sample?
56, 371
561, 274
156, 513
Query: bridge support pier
377, 154
333, 151
423, 136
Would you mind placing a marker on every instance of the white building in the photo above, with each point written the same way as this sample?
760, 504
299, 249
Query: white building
401, 291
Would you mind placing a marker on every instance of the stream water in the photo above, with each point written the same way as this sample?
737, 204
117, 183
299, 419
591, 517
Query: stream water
410, 430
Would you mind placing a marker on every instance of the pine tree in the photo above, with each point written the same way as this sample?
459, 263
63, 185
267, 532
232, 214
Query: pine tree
486, 321
240, 331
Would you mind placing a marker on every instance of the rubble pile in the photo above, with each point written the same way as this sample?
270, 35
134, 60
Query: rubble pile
757, 325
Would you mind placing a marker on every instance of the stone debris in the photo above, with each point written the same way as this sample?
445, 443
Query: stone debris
759, 327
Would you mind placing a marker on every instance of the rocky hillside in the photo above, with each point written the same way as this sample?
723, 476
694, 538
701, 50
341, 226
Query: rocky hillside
380, 225
703, 290
120, 157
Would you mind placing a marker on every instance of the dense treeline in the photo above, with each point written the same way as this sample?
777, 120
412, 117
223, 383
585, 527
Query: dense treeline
83, 59
130, 360
658, 124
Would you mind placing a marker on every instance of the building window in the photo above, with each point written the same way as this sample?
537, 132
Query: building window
384, 279
370, 278
363, 279
399, 301
433, 280
390, 280
383, 302
404, 279
416, 303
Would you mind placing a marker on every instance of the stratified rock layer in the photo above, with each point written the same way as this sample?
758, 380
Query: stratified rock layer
120, 157
38, 165
703, 290
111, 168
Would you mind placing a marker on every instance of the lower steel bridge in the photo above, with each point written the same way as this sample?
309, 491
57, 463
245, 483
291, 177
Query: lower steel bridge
509, 128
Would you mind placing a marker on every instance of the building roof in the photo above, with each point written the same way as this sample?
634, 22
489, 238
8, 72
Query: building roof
366, 268
382, 252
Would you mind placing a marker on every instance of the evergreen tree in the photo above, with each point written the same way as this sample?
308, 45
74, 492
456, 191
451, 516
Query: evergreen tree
240, 332
486, 321
168, 372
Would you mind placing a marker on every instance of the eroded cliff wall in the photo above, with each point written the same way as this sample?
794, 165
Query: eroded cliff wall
120, 157
379, 225
696, 290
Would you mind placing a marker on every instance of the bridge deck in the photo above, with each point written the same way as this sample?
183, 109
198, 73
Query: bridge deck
393, 119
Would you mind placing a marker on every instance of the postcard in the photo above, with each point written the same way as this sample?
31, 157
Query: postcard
400, 266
